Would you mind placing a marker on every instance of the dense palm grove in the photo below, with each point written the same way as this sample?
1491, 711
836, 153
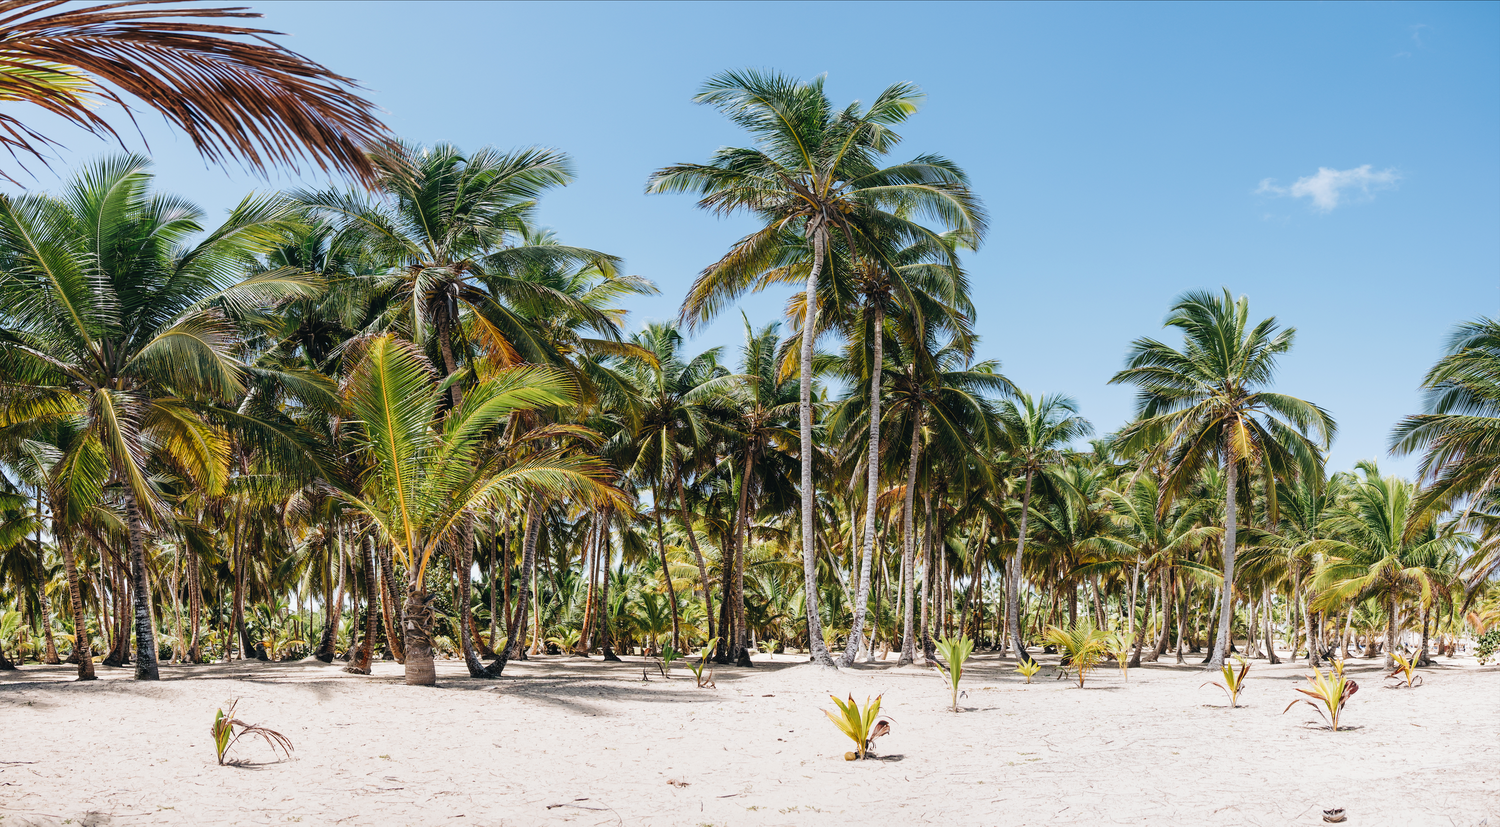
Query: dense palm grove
407, 422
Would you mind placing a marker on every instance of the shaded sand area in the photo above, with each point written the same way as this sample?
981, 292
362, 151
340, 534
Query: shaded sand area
571, 741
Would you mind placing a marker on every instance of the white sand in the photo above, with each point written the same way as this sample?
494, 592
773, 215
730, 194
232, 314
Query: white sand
564, 740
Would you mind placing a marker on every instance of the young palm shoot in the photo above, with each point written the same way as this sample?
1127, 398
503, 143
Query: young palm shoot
955, 652
1083, 645
1329, 693
702, 664
225, 735
1234, 680
1406, 669
1029, 668
1119, 649
862, 726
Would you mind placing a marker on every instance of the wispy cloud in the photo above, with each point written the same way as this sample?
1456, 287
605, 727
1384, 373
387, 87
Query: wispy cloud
1329, 186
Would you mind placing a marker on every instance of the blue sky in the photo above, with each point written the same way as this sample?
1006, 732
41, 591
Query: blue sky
1339, 163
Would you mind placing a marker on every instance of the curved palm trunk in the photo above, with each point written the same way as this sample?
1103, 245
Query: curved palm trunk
1013, 582
872, 493
666, 576
523, 594
1226, 600
366, 653
1270, 633
82, 645
145, 633
908, 548
1135, 580
388, 604
804, 408
606, 638
687, 525
195, 607
463, 564
333, 613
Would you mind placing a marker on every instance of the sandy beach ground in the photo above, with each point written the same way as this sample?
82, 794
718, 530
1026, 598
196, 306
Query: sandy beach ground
564, 740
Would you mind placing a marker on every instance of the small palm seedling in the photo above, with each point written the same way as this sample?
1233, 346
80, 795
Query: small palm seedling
769, 647
1028, 668
1406, 669
702, 664
225, 734
862, 726
1329, 693
1119, 648
1083, 645
668, 657
956, 652
1234, 680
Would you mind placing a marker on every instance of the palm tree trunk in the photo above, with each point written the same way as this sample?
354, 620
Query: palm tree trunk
666, 576
1271, 632
739, 649
82, 645
1422, 658
929, 582
1226, 602
195, 606
416, 626
389, 603
805, 410
1313, 658
1135, 580
366, 653
464, 564
589, 563
1390, 635
607, 638
145, 631
687, 524
908, 548
523, 594
1013, 582
872, 485
334, 611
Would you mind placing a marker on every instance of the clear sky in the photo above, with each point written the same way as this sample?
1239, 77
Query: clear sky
1339, 163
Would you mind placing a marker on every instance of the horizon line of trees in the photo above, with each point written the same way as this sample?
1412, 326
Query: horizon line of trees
406, 421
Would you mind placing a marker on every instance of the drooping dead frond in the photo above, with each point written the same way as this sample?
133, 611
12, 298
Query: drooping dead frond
233, 91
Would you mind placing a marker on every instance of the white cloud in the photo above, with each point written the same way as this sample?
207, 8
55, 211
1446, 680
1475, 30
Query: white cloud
1329, 186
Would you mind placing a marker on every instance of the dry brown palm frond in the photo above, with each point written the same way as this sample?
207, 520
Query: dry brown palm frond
225, 734
233, 91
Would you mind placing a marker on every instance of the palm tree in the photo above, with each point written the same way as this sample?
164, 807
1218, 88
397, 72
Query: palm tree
108, 318
1205, 403
234, 92
1385, 549
814, 174
1034, 432
431, 476
1459, 436
677, 406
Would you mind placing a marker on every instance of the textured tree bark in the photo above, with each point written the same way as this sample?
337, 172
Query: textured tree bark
909, 550
1226, 601
1135, 637
607, 637
1013, 582
929, 651
195, 607
333, 613
389, 604
82, 644
416, 627
464, 564
1270, 633
145, 632
872, 488
819, 651
360, 664
1390, 633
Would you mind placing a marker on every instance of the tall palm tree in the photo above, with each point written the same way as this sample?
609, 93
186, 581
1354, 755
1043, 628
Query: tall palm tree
1034, 432
233, 91
1206, 403
108, 317
1384, 548
814, 173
